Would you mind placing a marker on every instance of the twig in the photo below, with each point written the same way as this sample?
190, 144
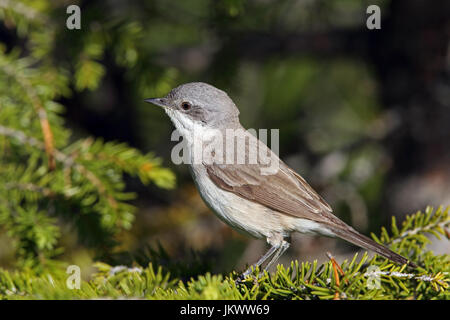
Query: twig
420, 229
61, 157
40, 110
336, 267
30, 187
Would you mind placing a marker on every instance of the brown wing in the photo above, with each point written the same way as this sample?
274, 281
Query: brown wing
285, 191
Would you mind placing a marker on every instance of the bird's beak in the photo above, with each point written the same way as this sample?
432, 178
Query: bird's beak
161, 102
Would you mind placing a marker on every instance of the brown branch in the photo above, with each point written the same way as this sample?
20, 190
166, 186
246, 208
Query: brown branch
30, 187
40, 111
336, 268
61, 157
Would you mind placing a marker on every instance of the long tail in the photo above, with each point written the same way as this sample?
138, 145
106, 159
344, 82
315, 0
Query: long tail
351, 235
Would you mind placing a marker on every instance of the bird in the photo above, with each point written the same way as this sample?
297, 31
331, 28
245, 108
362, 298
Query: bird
253, 196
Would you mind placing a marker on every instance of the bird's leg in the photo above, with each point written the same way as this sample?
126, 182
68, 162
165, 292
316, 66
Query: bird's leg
261, 260
283, 247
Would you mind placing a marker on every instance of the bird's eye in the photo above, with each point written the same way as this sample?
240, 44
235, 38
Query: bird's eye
185, 106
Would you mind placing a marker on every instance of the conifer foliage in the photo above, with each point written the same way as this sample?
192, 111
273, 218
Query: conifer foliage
47, 177
361, 278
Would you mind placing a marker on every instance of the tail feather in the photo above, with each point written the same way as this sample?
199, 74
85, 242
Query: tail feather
351, 235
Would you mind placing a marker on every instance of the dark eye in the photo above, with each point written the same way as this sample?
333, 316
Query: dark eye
185, 106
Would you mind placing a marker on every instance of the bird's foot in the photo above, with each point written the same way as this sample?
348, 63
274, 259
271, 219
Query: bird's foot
247, 275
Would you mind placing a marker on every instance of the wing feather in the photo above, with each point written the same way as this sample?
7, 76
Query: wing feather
285, 191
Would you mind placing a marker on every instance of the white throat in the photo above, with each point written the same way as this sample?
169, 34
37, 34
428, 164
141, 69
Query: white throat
187, 127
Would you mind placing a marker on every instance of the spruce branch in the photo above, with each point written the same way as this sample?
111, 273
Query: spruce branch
38, 108
440, 220
416, 227
47, 192
66, 160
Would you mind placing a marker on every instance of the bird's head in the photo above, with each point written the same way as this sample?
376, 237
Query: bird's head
198, 104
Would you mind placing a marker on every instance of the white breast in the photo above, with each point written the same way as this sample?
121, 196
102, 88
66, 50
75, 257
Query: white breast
245, 216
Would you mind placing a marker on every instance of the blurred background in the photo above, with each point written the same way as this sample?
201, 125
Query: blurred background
363, 114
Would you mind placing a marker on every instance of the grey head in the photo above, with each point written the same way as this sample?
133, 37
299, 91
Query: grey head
199, 103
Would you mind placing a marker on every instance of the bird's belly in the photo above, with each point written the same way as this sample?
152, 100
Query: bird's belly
243, 215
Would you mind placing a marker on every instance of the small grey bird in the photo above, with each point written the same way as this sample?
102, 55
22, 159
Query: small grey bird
264, 205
